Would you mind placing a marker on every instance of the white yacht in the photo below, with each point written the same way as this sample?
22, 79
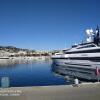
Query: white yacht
82, 60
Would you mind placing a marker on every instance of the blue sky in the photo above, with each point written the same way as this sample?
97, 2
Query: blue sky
46, 24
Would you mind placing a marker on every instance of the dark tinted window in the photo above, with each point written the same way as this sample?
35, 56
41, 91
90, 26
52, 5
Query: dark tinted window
88, 46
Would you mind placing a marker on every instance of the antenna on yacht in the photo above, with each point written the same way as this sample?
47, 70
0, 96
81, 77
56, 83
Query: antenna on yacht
96, 36
97, 29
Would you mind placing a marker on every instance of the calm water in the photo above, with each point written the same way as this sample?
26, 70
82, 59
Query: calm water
29, 73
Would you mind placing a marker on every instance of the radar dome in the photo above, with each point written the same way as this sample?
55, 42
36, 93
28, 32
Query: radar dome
89, 32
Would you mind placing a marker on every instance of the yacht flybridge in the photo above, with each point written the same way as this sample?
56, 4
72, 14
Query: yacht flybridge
82, 60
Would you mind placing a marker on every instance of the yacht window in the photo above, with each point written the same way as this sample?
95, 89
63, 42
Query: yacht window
87, 46
73, 46
85, 51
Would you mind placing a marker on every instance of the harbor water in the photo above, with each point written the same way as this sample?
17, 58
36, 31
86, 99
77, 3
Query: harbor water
29, 73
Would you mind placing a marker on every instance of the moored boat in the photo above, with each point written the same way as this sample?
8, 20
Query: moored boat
82, 59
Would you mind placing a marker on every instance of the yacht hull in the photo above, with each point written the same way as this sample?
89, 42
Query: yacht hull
84, 69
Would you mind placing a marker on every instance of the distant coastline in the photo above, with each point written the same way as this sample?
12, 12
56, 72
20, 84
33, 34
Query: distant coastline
11, 51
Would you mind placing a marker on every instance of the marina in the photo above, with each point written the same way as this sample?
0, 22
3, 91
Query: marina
49, 50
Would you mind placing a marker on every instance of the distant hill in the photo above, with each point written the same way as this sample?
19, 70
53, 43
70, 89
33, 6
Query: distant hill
12, 49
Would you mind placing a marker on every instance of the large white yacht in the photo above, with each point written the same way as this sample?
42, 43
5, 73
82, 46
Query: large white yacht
82, 60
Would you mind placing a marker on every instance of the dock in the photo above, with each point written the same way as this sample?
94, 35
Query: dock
85, 91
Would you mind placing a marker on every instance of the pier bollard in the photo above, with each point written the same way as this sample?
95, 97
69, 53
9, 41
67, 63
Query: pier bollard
5, 82
76, 82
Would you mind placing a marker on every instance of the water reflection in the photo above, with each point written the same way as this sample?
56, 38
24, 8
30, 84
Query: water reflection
29, 73
14, 62
71, 72
6, 63
58, 71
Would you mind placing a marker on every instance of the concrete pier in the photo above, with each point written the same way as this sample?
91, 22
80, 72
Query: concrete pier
86, 91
